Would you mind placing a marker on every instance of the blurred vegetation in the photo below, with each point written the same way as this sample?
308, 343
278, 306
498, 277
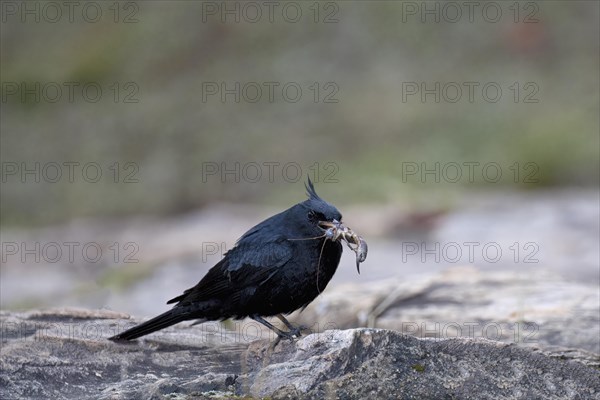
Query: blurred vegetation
170, 134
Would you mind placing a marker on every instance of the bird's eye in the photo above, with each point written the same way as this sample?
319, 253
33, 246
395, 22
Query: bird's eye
316, 216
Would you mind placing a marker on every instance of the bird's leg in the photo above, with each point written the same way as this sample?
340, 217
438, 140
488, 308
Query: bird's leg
280, 334
295, 331
286, 322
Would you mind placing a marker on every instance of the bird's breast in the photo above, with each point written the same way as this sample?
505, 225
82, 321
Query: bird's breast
311, 271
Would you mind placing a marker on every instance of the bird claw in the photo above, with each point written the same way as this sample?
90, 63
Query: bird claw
291, 335
297, 332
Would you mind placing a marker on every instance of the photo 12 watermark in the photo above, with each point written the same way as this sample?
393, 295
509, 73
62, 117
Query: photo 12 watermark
470, 92
469, 252
69, 172
517, 332
68, 252
53, 12
269, 92
232, 331
69, 92
454, 12
214, 250
268, 171
286, 12
469, 172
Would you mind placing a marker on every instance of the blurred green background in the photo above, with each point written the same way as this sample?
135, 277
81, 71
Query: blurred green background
163, 54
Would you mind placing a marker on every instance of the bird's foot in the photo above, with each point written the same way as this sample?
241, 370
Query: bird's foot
291, 335
297, 331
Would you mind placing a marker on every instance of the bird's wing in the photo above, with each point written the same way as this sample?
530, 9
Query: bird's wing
254, 254
250, 263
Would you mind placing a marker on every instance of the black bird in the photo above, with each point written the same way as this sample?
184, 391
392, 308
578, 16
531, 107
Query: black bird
277, 267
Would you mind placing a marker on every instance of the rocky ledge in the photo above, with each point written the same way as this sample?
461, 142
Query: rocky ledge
65, 355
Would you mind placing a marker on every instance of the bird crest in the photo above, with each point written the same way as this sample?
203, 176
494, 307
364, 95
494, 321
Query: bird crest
310, 191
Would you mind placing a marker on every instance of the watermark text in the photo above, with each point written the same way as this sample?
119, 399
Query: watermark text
52, 12
69, 92
69, 252
68, 171
268, 171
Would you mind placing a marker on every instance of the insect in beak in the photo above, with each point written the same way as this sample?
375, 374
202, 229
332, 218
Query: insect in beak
335, 230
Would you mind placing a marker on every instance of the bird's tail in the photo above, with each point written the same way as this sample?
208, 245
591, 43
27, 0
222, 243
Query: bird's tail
164, 320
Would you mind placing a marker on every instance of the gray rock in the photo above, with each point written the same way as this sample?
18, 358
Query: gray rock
65, 355
529, 308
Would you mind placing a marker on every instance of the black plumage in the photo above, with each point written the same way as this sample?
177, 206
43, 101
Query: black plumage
280, 265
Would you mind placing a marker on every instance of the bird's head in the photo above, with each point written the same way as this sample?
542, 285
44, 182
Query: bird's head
320, 213
327, 220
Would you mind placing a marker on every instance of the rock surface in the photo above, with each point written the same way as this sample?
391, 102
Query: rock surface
527, 308
66, 355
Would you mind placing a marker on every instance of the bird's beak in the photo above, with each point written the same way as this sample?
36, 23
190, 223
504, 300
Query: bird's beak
330, 224
354, 242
